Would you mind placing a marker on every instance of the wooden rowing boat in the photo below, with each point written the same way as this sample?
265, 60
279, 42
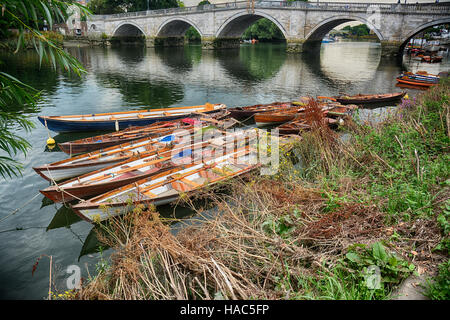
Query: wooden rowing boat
168, 186
243, 113
120, 120
130, 134
418, 79
132, 170
78, 165
297, 126
370, 98
274, 118
288, 114
135, 133
332, 114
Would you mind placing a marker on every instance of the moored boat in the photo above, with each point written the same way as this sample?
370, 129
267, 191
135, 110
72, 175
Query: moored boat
243, 113
370, 98
120, 120
168, 186
130, 134
332, 114
135, 133
273, 118
418, 79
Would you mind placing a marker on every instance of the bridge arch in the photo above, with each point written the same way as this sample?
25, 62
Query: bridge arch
128, 29
325, 26
176, 27
234, 26
419, 29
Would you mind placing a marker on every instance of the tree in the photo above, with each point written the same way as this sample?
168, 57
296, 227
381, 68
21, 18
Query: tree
263, 29
118, 6
16, 96
359, 30
203, 2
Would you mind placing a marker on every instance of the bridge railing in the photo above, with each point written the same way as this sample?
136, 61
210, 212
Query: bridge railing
442, 8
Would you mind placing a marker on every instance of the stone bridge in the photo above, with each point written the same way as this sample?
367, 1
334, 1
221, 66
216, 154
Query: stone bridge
303, 24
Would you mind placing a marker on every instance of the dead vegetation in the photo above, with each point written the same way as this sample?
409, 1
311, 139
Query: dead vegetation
263, 233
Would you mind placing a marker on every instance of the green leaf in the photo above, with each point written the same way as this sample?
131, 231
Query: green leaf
379, 252
353, 257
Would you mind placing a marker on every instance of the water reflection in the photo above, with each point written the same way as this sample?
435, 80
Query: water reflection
126, 78
252, 63
26, 67
64, 217
179, 59
153, 93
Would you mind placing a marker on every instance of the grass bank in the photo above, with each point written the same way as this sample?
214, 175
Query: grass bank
351, 220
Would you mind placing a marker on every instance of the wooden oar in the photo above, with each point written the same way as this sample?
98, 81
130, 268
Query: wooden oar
324, 97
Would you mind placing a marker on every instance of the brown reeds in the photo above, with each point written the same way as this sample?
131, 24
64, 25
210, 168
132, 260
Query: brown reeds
240, 253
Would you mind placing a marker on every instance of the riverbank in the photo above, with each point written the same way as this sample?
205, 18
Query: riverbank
376, 204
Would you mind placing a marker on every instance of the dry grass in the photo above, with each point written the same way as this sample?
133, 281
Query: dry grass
240, 253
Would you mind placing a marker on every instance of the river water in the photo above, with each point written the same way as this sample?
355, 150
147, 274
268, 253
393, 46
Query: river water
128, 78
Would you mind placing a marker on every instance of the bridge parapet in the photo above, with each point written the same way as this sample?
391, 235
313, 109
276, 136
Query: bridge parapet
432, 8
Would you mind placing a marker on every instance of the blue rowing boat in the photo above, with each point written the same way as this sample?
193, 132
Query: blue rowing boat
122, 120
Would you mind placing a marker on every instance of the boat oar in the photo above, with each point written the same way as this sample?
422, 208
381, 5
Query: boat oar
324, 97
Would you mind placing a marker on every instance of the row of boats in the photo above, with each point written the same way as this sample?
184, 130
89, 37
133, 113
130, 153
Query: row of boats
421, 79
162, 154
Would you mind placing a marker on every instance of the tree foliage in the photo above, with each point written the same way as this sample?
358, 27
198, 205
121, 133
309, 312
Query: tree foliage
119, 6
192, 34
15, 96
263, 29
203, 2
359, 30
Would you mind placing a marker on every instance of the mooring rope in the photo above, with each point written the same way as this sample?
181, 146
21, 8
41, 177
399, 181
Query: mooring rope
59, 189
16, 210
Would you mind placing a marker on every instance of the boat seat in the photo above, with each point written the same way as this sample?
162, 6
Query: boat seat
200, 181
190, 182
180, 186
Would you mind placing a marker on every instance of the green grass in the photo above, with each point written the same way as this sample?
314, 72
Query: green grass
439, 287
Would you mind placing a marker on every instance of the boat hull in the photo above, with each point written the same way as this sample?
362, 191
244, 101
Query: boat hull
76, 148
58, 125
67, 194
58, 173
263, 119
65, 124
415, 82
241, 114
394, 97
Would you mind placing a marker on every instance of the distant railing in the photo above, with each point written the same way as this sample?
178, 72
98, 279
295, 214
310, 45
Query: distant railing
434, 8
